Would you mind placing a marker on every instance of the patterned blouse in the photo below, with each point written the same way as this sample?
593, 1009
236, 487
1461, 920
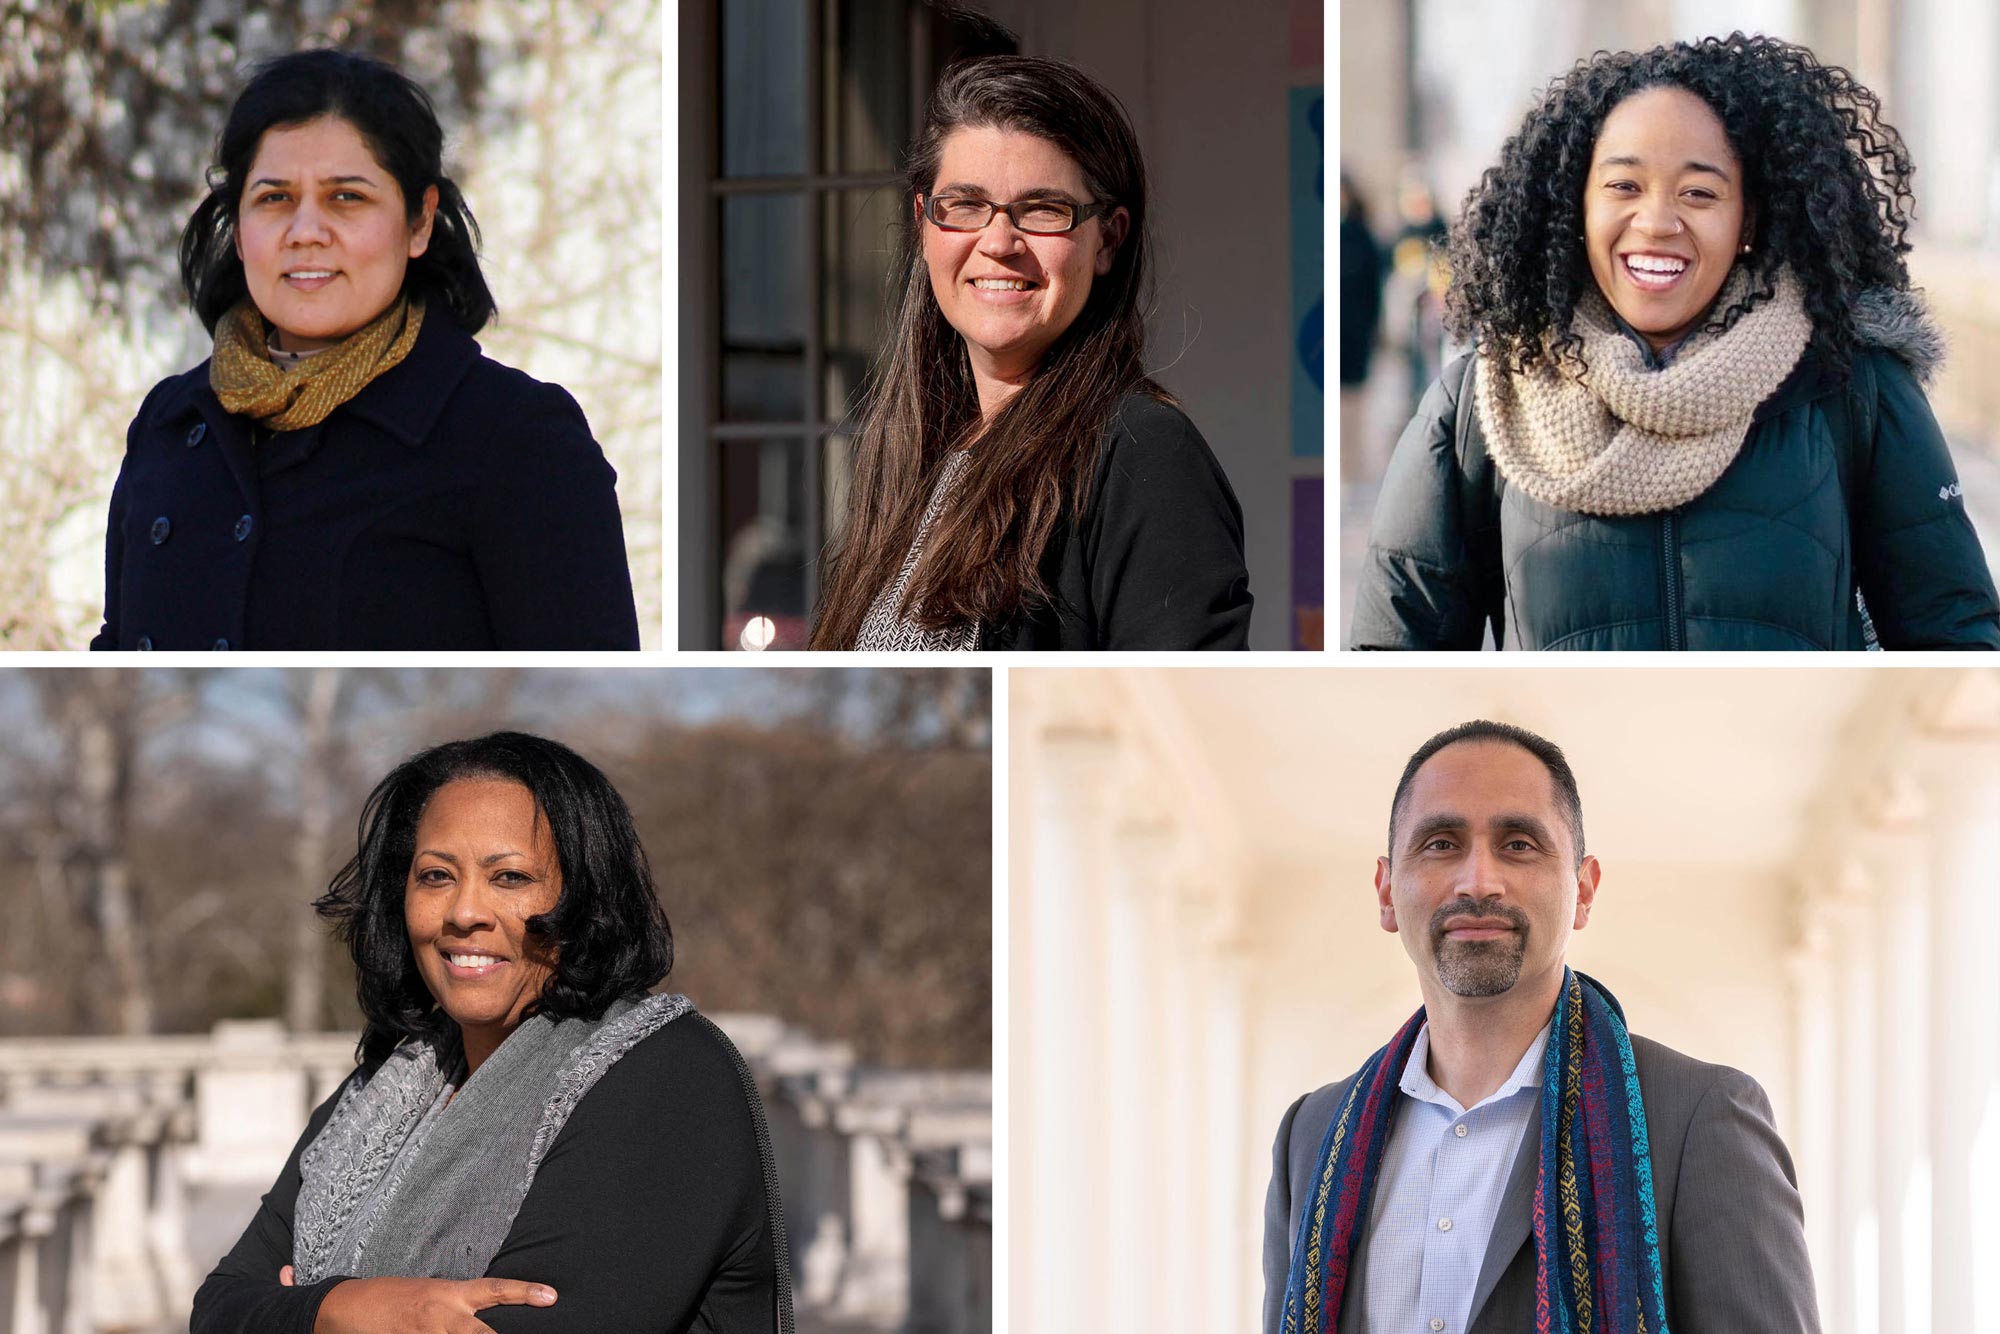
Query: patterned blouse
883, 628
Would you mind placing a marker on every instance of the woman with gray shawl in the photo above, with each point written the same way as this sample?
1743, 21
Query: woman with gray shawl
531, 1140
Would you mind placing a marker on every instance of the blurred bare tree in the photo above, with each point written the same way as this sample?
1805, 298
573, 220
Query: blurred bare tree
162, 835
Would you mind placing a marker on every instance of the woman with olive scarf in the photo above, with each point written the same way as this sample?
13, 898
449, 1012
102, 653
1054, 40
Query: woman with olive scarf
1695, 417
348, 471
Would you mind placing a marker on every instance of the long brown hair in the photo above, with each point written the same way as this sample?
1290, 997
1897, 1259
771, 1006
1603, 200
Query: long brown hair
981, 559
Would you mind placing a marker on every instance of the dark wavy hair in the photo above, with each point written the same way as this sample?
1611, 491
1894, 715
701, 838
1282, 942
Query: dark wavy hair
395, 118
981, 560
1827, 182
1568, 799
607, 931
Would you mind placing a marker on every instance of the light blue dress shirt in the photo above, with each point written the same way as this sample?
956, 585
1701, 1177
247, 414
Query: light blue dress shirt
1438, 1192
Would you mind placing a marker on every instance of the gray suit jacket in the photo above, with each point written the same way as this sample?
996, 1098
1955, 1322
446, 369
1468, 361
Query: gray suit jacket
1732, 1234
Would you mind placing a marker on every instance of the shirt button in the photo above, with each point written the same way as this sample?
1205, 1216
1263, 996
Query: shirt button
195, 433
145, 643
1458, 1131
221, 646
1444, 1225
1436, 1323
243, 528
161, 527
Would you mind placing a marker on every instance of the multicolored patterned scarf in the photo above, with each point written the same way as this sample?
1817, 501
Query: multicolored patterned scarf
1597, 1240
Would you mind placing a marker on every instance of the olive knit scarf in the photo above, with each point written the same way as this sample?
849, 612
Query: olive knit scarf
1613, 437
249, 385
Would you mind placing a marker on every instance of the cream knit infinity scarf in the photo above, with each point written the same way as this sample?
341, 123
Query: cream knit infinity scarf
1617, 438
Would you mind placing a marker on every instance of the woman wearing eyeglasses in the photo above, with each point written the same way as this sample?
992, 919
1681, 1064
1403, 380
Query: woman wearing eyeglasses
1019, 482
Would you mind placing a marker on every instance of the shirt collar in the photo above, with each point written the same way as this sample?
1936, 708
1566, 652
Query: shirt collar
1418, 1084
1653, 360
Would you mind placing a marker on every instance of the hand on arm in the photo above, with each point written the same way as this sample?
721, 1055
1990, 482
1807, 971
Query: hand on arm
418, 1305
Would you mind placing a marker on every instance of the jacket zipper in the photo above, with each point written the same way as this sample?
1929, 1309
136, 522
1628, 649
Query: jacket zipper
1676, 632
773, 1205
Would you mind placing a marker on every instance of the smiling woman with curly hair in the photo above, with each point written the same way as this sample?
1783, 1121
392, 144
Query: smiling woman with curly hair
1694, 416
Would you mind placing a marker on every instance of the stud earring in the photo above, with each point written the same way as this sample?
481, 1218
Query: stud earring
1746, 247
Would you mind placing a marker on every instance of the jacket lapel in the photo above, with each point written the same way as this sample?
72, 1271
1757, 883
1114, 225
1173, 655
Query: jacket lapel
1514, 1224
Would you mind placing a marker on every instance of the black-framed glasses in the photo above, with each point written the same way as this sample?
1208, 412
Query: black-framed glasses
1036, 217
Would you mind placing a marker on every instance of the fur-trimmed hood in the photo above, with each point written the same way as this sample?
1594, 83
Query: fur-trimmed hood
1900, 321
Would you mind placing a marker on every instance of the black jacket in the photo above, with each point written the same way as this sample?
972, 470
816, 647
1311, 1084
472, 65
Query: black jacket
1843, 483
452, 504
652, 1212
1156, 560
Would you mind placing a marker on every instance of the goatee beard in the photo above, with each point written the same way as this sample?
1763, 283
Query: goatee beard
1475, 968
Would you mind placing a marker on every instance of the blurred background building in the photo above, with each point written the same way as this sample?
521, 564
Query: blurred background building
108, 116
171, 1009
795, 115
1798, 868
1431, 88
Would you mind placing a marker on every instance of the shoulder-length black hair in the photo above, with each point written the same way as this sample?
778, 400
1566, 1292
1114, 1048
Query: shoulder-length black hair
607, 931
1827, 180
1036, 458
395, 118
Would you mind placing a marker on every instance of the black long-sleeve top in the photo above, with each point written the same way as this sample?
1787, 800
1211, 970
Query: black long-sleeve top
650, 1213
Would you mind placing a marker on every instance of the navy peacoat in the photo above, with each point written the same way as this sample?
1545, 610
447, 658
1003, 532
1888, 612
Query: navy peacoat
454, 503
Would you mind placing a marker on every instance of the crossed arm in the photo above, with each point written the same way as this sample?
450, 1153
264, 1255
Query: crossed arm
648, 1212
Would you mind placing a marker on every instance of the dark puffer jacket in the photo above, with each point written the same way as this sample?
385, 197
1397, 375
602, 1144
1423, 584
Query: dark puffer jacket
1844, 483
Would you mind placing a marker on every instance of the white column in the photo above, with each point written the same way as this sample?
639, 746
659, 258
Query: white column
1857, 1262
1064, 955
1232, 1199
1136, 1007
124, 1287
1889, 847
1810, 968
1182, 1119
1961, 777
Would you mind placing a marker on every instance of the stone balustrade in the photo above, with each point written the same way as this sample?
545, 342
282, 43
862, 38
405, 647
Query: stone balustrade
128, 1164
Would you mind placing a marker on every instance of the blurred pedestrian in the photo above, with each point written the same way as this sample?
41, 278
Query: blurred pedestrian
1419, 275
348, 471
1361, 275
1695, 417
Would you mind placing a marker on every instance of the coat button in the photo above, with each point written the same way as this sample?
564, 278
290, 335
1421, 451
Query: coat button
161, 527
145, 643
195, 433
243, 528
221, 646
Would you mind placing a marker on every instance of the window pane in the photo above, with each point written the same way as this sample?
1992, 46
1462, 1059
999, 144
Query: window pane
836, 474
763, 87
866, 85
863, 232
763, 544
764, 307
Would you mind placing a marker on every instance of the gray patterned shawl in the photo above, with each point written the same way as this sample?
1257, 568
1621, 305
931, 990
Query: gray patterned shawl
396, 1185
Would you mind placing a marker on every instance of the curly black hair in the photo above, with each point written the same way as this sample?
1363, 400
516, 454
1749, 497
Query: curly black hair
608, 932
1827, 178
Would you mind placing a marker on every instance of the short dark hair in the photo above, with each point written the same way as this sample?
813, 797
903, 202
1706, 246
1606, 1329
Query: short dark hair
608, 931
1480, 729
395, 118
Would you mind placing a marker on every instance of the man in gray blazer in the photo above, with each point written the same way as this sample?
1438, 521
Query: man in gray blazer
1485, 879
